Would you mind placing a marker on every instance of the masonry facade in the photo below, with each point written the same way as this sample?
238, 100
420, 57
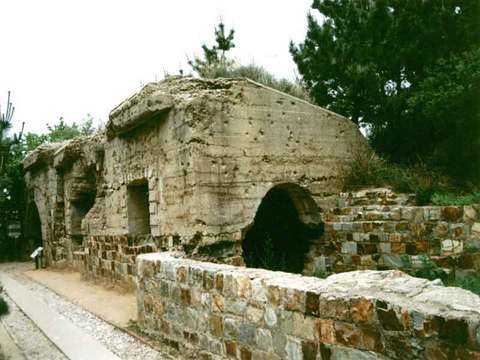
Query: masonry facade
184, 165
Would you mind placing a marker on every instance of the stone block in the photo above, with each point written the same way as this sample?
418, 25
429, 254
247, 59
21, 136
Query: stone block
293, 349
469, 215
452, 213
476, 229
264, 340
349, 248
451, 247
246, 334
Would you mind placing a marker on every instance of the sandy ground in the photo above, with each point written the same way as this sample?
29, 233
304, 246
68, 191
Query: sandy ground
110, 305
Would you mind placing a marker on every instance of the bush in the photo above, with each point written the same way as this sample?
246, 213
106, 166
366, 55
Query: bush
369, 170
257, 74
3, 307
456, 199
471, 282
432, 271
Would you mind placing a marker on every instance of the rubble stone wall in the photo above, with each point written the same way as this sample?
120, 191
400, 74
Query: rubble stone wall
112, 258
219, 311
398, 237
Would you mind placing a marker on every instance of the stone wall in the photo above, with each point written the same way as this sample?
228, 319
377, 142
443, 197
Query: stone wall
378, 229
111, 259
219, 311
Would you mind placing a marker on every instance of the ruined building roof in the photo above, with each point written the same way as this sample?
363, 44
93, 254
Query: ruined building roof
60, 153
159, 98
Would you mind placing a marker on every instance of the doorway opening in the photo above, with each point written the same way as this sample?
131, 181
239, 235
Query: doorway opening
285, 223
138, 208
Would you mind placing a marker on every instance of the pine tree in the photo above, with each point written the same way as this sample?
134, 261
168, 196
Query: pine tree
214, 57
368, 59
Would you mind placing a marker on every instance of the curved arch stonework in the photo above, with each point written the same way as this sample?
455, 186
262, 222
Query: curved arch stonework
286, 222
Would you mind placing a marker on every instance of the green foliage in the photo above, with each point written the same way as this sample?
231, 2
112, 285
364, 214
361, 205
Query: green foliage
455, 199
11, 178
60, 131
3, 305
373, 171
430, 270
471, 282
321, 273
216, 64
214, 57
259, 74
408, 71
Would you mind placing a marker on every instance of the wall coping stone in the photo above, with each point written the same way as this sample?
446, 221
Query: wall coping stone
392, 286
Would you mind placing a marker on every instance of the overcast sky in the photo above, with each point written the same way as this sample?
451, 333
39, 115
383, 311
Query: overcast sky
70, 58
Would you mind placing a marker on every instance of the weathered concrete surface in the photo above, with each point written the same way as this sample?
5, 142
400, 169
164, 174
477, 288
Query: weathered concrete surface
60, 178
221, 310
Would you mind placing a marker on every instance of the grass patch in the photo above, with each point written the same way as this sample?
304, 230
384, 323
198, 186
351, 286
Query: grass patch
471, 282
369, 170
321, 273
456, 199
258, 74
432, 271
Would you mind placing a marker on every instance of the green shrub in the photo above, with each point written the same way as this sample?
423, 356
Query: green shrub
369, 170
471, 282
455, 199
258, 74
321, 273
3, 307
432, 271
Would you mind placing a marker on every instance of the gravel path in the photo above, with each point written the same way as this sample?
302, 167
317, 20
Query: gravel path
117, 341
29, 338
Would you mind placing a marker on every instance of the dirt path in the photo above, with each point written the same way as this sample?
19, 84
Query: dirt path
72, 303
110, 305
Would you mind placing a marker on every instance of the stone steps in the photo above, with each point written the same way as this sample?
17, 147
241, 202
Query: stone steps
397, 213
378, 196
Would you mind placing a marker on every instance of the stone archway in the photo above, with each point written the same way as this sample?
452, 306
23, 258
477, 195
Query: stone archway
279, 238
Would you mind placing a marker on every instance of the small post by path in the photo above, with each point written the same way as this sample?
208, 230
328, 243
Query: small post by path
38, 256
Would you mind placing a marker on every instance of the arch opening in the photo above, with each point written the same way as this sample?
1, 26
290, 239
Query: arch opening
286, 222
33, 228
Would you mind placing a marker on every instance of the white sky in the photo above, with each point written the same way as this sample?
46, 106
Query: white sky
69, 58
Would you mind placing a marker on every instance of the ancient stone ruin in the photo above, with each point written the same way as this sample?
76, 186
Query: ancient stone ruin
193, 172
184, 165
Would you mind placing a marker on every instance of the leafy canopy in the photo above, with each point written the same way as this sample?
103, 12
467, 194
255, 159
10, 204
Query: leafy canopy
60, 131
391, 66
214, 56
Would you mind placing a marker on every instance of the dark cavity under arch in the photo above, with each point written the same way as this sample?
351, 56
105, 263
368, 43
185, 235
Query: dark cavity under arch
286, 222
